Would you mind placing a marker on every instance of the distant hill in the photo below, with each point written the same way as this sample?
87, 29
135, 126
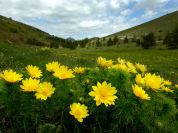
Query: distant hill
159, 26
70, 39
12, 31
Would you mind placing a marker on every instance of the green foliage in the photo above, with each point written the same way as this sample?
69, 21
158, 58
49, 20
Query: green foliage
148, 41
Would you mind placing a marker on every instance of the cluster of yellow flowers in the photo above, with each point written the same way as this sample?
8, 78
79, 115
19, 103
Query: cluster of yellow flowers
150, 81
102, 93
45, 48
153, 82
103, 62
122, 64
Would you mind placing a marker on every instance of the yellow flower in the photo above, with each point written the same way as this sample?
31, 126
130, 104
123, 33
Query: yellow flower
79, 70
51, 67
30, 85
104, 93
11, 76
167, 82
34, 71
141, 67
166, 89
63, 73
176, 85
131, 67
139, 80
44, 91
122, 67
103, 62
139, 92
152, 81
121, 61
79, 111
45, 49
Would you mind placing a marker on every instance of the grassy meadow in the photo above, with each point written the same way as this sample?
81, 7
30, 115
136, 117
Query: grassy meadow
66, 101
158, 60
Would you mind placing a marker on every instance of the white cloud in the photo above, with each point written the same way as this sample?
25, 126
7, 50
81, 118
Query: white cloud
79, 18
148, 14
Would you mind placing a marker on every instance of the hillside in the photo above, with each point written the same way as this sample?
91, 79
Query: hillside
12, 31
159, 26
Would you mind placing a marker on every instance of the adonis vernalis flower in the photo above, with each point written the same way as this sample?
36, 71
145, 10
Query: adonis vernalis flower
103, 62
131, 68
79, 70
51, 67
153, 81
176, 85
139, 92
139, 80
104, 93
63, 73
167, 89
44, 91
34, 71
167, 82
11, 76
141, 67
79, 111
30, 85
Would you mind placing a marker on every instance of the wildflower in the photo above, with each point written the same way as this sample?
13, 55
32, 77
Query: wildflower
30, 85
79, 111
87, 81
45, 49
122, 67
121, 61
79, 70
166, 89
141, 67
104, 93
167, 82
11, 76
139, 80
51, 67
139, 92
44, 91
34, 71
63, 73
103, 62
131, 67
152, 81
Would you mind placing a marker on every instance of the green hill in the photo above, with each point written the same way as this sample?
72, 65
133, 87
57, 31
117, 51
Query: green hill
12, 31
159, 26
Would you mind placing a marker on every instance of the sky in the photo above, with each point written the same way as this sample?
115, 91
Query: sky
85, 18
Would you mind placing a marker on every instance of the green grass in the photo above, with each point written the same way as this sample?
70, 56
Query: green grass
163, 62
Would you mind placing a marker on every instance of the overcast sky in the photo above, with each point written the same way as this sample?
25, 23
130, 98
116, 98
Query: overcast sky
85, 18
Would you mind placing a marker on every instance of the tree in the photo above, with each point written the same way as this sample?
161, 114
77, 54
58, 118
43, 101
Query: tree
175, 38
98, 43
109, 42
171, 39
116, 40
148, 41
126, 40
138, 42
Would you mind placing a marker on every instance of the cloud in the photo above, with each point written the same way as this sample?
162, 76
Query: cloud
83, 18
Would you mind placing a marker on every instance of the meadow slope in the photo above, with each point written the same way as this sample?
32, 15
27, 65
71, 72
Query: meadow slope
164, 62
